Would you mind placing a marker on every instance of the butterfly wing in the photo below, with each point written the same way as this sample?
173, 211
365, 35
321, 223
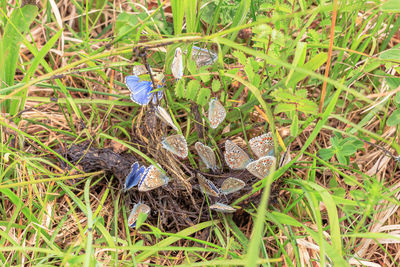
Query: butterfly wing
165, 117
219, 207
203, 57
176, 144
136, 211
134, 176
231, 185
235, 157
216, 113
140, 90
262, 145
261, 167
207, 155
177, 64
152, 179
207, 186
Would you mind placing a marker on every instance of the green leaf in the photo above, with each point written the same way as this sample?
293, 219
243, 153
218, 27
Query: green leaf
282, 107
391, 54
41, 54
313, 64
348, 150
392, 6
124, 24
141, 219
248, 69
14, 33
342, 159
294, 127
298, 100
180, 88
393, 82
192, 66
240, 56
326, 153
394, 119
397, 97
204, 76
190, 15
192, 89
216, 85
299, 57
203, 97
177, 15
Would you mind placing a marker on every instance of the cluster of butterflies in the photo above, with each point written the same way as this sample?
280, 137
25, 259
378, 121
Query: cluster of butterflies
149, 178
236, 158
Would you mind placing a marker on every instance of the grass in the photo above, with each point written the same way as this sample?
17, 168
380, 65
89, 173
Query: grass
322, 76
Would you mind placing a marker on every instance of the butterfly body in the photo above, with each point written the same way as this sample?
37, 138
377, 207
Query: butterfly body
235, 157
152, 179
262, 145
261, 167
231, 185
207, 186
136, 211
216, 113
134, 176
207, 155
219, 207
176, 144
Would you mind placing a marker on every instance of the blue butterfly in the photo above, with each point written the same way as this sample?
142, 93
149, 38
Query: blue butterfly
134, 176
141, 90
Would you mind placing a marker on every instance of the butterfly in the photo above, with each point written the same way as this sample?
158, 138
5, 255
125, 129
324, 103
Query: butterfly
207, 186
216, 113
165, 117
152, 179
176, 144
207, 155
261, 167
134, 176
231, 185
138, 209
219, 207
262, 145
203, 57
235, 157
141, 90
177, 64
